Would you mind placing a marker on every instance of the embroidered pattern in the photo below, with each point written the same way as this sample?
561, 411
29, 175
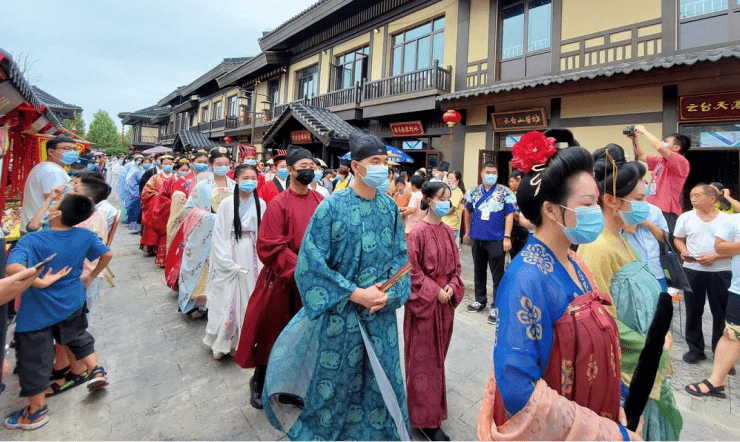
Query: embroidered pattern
537, 255
531, 315
566, 377
593, 370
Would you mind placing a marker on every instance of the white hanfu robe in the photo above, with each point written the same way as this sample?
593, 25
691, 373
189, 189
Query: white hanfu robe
233, 273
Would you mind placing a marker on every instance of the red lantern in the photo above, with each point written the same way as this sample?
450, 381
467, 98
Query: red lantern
452, 117
228, 139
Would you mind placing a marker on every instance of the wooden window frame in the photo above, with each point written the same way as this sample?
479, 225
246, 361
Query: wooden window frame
403, 44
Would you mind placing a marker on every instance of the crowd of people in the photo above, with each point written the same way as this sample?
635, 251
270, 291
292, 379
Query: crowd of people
300, 270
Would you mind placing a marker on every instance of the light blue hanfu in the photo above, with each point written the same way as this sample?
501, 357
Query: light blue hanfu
197, 232
320, 357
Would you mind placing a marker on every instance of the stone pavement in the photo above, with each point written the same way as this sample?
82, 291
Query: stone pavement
166, 385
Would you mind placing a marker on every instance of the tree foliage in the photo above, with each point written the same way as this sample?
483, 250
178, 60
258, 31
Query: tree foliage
104, 134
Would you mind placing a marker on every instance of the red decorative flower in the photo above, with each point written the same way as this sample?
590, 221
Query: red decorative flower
532, 149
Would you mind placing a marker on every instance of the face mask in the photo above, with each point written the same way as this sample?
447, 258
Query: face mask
383, 187
167, 169
376, 175
200, 167
73, 172
147, 166
67, 189
221, 170
490, 179
90, 167
181, 173
159, 164
283, 174
589, 224
250, 162
305, 176
317, 175
639, 213
647, 191
452, 186
441, 208
70, 157
247, 186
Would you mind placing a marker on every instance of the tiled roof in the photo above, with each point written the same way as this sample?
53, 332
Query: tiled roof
193, 140
24, 87
296, 17
323, 124
226, 66
54, 102
147, 113
687, 59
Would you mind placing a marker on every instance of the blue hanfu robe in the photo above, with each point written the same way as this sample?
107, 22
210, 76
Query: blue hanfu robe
351, 242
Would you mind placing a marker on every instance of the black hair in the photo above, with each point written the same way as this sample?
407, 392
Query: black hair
682, 141
428, 190
400, 180
75, 209
458, 177
52, 144
709, 190
197, 155
515, 174
216, 153
326, 173
554, 186
628, 173
489, 164
97, 188
417, 181
237, 199
724, 204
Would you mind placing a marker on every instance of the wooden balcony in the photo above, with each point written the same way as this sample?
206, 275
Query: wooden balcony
343, 97
423, 80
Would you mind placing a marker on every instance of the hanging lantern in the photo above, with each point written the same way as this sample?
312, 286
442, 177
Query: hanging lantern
228, 140
451, 117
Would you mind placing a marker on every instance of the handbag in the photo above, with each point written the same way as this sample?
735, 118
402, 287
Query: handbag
672, 268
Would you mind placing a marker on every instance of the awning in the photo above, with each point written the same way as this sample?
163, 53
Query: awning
328, 128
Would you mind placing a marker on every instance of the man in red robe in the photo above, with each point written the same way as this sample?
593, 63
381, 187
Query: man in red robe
155, 211
279, 183
275, 299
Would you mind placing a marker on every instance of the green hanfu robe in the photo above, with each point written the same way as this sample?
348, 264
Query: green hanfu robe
351, 242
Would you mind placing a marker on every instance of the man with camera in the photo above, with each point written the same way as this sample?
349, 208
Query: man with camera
669, 170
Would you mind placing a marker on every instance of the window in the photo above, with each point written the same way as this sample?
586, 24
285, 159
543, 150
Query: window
533, 15
307, 82
232, 106
204, 114
217, 110
351, 68
274, 92
419, 47
692, 8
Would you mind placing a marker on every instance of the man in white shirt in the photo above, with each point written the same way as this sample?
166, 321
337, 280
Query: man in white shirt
708, 272
317, 183
60, 151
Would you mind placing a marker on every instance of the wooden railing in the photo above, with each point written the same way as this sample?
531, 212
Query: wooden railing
341, 97
218, 124
434, 78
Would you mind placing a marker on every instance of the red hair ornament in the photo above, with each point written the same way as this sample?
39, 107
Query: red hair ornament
531, 153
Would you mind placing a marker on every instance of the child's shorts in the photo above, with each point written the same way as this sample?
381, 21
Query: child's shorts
35, 350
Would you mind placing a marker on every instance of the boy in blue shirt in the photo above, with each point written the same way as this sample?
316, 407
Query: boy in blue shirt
54, 307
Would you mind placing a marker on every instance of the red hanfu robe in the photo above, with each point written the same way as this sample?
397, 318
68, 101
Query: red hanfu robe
272, 189
427, 323
275, 299
175, 249
155, 210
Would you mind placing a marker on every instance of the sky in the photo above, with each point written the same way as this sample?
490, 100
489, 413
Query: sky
121, 56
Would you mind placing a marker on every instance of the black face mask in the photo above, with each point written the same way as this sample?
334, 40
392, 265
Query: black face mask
305, 176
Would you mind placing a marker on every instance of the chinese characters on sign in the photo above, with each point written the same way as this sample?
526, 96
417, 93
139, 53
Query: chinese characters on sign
301, 137
408, 129
711, 107
519, 120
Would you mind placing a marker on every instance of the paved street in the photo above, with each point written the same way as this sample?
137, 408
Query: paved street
166, 385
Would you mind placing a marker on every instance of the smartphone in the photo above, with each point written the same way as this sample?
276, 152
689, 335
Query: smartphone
44, 262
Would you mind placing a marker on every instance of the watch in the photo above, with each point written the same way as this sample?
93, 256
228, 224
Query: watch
507, 236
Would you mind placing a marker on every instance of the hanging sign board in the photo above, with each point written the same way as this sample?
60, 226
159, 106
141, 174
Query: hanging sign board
301, 137
711, 107
519, 120
407, 129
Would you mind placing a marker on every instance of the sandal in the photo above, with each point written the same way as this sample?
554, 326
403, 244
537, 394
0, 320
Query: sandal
60, 374
718, 392
97, 379
21, 419
71, 380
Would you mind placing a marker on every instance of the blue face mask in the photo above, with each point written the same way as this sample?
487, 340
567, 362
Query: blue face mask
167, 169
283, 173
317, 175
159, 164
247, 186
67, 188
73, 172
490, 179
221, 170
441, 208
452, 186
376, 175
147, 166
70, 157
647, 191
589, 224
639, 213
250, 162
181, 173
383, 187
200, 167
91, 166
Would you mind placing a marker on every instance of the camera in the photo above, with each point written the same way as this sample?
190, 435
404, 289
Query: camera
629, 130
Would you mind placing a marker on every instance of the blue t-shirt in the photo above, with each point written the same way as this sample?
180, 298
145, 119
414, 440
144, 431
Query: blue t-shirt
41, 308
489, 210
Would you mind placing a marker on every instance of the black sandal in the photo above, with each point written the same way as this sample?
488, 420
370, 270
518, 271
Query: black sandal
71, 380
60, 374
718, 392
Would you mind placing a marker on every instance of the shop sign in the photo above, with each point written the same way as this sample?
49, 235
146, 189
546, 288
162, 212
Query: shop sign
407, 129
711, 107
301, 137
519, 120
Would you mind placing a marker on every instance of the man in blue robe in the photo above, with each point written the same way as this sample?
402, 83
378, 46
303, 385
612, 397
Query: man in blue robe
354, 243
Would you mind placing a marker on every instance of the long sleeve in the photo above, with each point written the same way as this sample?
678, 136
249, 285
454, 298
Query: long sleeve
222, 260
424, 289
401, 291
273, 243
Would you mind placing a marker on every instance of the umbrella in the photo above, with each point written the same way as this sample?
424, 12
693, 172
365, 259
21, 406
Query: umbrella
397, 155
157, 149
